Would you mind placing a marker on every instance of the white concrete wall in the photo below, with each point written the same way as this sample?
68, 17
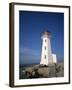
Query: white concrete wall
54, 58
50, 58
47, 52
44, 52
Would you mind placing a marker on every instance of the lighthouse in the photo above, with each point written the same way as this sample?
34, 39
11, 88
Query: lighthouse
46, 54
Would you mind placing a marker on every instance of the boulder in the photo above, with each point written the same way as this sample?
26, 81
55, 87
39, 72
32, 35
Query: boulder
29, 69
60, 74
44, 71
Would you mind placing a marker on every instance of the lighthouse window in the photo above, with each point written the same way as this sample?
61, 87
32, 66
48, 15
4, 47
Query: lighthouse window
45, 40
45, 47
45, 56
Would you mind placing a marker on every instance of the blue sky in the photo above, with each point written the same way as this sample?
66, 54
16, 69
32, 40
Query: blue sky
32, 25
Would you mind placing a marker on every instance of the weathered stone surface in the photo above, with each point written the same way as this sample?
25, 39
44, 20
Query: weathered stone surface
29, 69
60, 74
44, 71
38, 71
52, 71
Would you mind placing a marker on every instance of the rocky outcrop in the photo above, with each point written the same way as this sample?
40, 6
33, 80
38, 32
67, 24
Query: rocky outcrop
41, 71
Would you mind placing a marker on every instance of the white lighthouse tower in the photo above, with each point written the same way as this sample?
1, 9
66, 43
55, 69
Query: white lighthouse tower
46, 54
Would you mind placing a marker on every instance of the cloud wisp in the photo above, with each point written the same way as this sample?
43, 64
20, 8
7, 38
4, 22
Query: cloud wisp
28, 56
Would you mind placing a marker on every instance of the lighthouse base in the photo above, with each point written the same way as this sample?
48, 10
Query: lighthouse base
50, 61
